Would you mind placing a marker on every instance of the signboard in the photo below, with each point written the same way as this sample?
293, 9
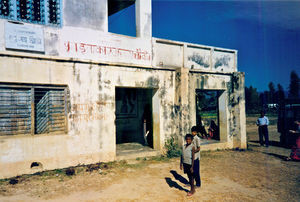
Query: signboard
24, 37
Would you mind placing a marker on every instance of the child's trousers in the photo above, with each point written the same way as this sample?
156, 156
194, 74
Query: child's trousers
197, 172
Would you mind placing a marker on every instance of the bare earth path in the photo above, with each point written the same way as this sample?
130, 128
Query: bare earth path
258, 174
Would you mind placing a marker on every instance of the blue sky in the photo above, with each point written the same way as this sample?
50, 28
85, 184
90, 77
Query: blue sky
265, 33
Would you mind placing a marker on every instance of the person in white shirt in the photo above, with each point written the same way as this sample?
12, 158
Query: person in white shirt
262, 123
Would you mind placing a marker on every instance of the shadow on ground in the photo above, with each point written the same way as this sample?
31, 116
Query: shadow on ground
179, 177
277, 156
174, 184
171, 184
271, 143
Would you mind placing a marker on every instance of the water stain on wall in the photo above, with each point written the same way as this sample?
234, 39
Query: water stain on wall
198, 59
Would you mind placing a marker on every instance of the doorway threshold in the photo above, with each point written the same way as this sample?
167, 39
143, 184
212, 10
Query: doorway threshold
211, 145
206, 141
134, 150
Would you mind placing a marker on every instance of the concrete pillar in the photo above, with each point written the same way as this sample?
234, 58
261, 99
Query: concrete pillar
143, 16
223, 117
238, 113
157, 144
182, 101
243, 136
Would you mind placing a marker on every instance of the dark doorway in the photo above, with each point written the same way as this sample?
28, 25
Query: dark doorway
134, 122
207, 113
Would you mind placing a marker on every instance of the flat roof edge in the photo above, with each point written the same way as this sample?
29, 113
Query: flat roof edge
182, 43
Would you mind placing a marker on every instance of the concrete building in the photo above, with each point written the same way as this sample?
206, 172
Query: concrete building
71, 92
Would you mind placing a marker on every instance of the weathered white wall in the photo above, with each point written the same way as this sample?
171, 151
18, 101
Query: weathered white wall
91, 119
91, 14
198, 58
92, 62
231, 106
103, 47
91, 133
168, 53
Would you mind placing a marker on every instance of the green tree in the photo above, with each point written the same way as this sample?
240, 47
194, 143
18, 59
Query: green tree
280, 94
294, 85
252, 100
271, 93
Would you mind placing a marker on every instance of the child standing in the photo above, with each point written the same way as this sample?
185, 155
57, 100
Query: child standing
187, 161
196, 143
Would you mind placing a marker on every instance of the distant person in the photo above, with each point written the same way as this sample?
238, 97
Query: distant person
147, 126
213, 130
196, 143
262, 123
295, 153
201, 128
187, 161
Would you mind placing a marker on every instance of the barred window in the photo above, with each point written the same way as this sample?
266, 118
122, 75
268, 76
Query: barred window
4, 8
49, 110
33, 109
15, 110
32, 11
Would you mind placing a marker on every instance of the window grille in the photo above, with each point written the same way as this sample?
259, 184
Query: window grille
49, 110
4, 8
15, 110
32, 11
33, 109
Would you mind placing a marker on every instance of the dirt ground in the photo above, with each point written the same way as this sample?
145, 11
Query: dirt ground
258, 174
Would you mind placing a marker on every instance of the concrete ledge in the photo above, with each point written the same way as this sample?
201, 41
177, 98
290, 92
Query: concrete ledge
134, 150
137, 155
13, 169
214, 146
38, 56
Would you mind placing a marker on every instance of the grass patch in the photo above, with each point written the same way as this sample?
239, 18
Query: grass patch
3, 181
160, 158
209, 115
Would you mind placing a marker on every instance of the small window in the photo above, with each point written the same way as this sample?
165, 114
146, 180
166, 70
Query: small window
33, 11
20, 107
49, 110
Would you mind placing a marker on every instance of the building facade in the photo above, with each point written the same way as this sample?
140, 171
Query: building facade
70, 91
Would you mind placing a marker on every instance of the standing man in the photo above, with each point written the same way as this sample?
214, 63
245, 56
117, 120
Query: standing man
196, 143
262, 123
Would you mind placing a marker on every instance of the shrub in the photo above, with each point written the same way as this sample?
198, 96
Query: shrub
172, 147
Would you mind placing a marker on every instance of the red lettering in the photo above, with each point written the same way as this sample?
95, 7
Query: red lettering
84, 48
67, 45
